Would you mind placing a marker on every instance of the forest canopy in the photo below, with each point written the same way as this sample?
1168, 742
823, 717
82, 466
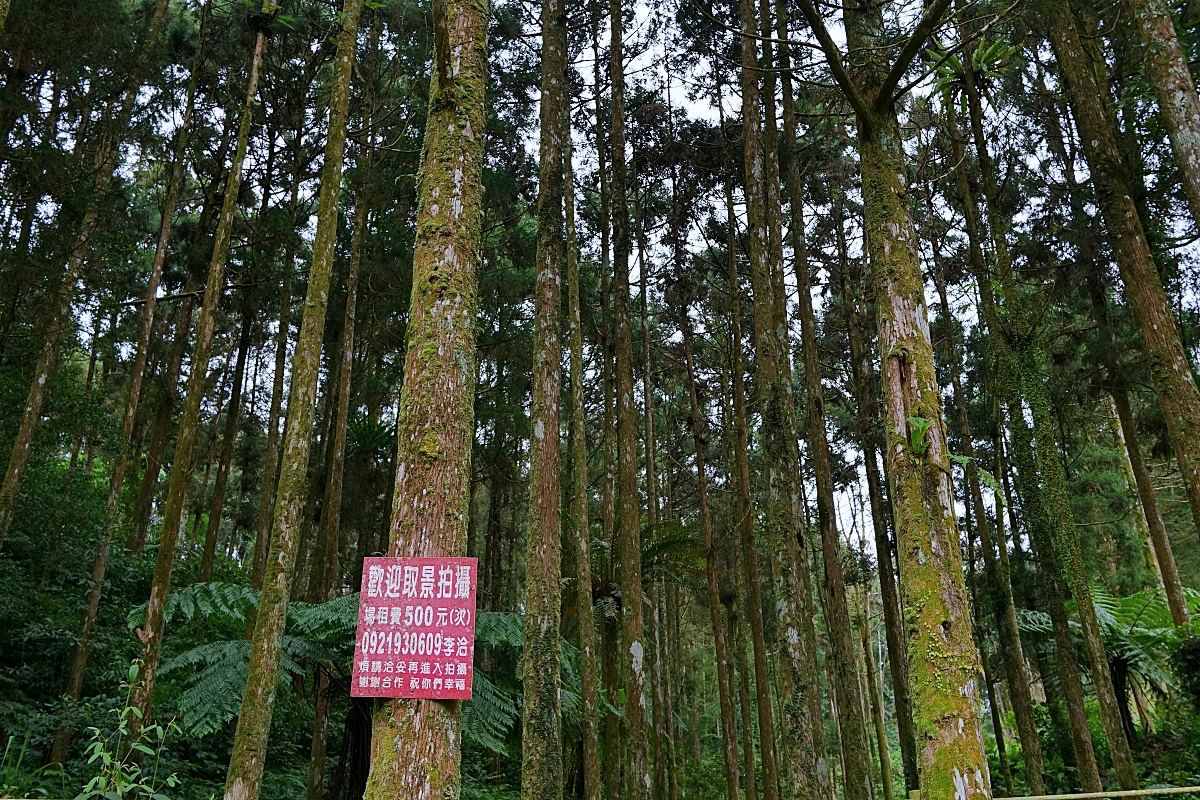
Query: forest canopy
815, 385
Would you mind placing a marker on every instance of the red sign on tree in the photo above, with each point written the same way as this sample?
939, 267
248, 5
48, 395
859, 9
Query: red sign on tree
416, 628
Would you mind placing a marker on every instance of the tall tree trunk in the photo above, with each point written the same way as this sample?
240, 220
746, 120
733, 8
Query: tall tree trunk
610, 634
874, 693
638, 779
997, 575
185, 438
863, 375
266, 502
942, 660
738, 642
1168, 361
654, 592
1027, 365
1036, 515
1167, 68
541, 713
784, 516
104, 164
729, 740
1148, 501
1008, 385
228, 439
329, 571
248, 758
578, 510
416, 744
985, 676
752, 593
855, 745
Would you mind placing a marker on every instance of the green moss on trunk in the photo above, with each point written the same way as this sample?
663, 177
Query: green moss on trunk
416, 745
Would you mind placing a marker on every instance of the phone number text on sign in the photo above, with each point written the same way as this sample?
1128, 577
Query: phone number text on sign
416, 628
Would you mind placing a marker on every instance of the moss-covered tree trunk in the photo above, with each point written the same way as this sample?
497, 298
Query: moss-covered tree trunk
942, 660
1027, 368
862, 372
1054, 592
1168, 361
747, 547
244, 777
996, 573
185, 436
580, 529
943, 663
541, 713
112, 133
416, 745
327, 572
729, 739
806, 776
638, 778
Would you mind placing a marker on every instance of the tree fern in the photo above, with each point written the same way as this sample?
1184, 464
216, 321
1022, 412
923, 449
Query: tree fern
490, 715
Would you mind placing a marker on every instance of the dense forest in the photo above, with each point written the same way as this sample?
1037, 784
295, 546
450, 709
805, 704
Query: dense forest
815, 383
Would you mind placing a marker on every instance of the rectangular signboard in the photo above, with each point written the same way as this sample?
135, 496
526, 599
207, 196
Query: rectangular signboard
416, 628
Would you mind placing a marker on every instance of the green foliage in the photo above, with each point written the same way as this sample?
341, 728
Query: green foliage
117, 755
1186, 662
18, 781
988, 479
989, 60
1136, 629
918, 427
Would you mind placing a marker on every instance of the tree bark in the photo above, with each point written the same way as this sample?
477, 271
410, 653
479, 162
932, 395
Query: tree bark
1167, 68
247, 760
724, 685
942, 660
185, 438
752, 594
1035, 513
1168, 361
327, 572
578, 511
541, 712
806, 774
863, 375
416, 744
638, 778
997, 575
855, 745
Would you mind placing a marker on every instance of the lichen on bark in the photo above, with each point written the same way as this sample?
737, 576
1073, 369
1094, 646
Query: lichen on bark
416, 745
